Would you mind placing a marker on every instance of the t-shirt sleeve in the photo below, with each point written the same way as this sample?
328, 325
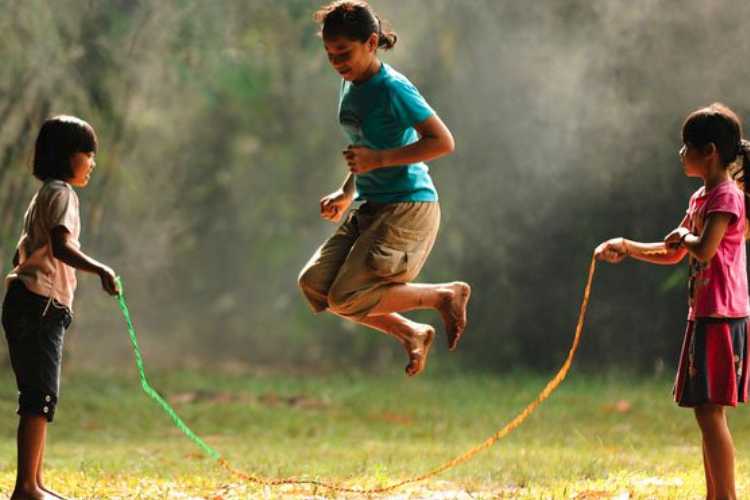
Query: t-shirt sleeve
407, 104
727, 202
63, 210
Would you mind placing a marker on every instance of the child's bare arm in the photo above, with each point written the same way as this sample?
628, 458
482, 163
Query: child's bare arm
348, 186
617, 249
704, 247
435, 141
333, 206
65, 251
655, 253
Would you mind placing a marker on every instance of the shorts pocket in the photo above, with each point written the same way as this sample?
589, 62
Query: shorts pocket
397, 252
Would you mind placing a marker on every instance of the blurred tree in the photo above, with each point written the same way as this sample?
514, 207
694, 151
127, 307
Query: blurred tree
218, 135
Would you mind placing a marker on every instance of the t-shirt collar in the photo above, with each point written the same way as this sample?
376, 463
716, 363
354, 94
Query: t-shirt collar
373, 79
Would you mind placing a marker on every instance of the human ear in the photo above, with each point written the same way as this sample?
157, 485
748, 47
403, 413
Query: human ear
372, 42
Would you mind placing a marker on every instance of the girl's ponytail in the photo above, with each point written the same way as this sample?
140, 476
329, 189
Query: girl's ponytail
386, 37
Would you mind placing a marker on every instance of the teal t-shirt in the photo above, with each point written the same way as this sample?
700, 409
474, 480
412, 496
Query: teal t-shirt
380, 113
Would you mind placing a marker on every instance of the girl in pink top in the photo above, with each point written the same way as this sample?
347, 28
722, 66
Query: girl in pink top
713, 368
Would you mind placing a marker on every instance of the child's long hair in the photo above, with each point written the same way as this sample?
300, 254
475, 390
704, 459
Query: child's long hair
354, 20
720, 125
59, 139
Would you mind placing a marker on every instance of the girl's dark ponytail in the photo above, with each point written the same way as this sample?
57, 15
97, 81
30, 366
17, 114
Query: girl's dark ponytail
386, 37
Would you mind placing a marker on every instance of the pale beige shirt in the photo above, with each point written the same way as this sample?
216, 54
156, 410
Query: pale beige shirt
55, 204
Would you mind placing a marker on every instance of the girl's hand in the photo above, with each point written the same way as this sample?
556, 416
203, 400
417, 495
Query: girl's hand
612, 251
109, 280
673, 240
362, 160
333, 206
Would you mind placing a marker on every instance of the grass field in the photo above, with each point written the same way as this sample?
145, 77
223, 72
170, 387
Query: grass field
596, 437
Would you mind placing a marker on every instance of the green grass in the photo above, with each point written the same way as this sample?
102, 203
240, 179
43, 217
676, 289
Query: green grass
110, 441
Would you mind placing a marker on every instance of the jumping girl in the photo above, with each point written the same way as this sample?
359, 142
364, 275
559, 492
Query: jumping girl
713, 368
364, 271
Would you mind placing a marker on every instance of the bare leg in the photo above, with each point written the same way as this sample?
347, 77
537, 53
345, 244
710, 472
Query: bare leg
710, 490
392, 324
32, 432
40, 481
416, 338
719, 449
449, 299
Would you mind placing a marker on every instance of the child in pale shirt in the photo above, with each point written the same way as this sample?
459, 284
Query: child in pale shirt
39, 300
713, 368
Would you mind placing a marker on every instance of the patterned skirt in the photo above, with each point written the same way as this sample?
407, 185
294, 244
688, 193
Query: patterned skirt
714, 363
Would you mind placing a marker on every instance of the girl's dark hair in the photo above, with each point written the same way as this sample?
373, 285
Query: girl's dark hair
719, 125
354, 20
59, 139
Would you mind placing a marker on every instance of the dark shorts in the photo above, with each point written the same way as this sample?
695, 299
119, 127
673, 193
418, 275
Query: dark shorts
35, 344
714, 363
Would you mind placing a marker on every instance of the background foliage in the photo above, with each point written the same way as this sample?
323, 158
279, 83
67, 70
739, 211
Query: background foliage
218, 135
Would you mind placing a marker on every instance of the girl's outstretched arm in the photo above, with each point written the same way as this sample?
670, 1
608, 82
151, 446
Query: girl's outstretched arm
655, 253
435, 141
617, 249
63, 250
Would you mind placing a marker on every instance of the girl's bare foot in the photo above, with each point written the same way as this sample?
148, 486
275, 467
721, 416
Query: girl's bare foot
418, 348
56, 495
453, 311
31, 494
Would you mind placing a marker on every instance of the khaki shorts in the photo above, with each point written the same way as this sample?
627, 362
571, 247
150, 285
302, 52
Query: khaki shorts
379, 244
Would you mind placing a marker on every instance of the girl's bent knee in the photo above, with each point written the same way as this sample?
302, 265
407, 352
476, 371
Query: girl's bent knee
317, 298
310, 283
